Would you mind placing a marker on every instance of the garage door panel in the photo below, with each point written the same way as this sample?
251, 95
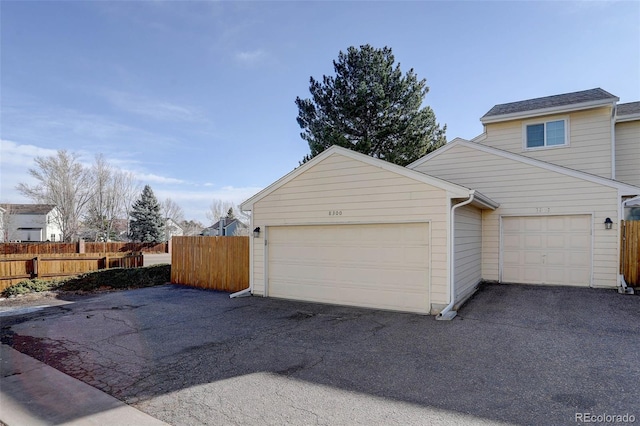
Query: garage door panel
381, 266
512, 241
556, 241
557, 250
532, 241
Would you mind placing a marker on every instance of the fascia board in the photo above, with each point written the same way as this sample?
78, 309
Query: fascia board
627, 117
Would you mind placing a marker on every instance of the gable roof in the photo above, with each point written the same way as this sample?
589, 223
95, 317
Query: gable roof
628, 111
28, 208
623, 188
455, 190
228, 222
550, 104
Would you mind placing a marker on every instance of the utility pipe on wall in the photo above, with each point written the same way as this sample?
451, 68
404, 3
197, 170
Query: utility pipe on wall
447, 313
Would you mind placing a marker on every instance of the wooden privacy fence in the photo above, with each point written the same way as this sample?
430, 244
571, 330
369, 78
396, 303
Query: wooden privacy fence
630, 252
216, 263
15, 268
38, 248
81, 247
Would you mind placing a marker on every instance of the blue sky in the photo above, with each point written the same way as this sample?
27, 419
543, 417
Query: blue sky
197, 98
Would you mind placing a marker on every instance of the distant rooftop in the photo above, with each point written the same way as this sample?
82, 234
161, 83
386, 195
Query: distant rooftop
584, 96
27, 208
630, 108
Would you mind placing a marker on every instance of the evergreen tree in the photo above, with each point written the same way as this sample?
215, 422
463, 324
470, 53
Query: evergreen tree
230, 214
146, 220
370, 107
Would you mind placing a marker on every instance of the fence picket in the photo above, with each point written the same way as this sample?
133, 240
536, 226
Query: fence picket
630, 252
215, 263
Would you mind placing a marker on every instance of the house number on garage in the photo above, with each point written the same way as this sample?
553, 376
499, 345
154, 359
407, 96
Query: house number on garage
335, 212
543, 210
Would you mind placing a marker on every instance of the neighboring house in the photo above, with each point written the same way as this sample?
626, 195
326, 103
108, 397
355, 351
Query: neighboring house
226, 227
30, 222
3, 231
525, 202
172, 229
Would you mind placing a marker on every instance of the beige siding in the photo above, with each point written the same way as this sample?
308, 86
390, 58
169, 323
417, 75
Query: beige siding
525, 190
468, 250
628, 152
589, 148
360, 193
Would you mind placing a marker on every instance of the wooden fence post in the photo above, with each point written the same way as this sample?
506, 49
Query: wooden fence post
81, 247
34, 274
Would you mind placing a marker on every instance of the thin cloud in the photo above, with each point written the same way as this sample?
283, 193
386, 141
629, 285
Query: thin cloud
14, 153
252, 57
152, 108
153, 178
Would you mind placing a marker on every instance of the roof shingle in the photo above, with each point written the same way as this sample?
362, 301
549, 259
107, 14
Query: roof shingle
628, 108
550, 102
27, 208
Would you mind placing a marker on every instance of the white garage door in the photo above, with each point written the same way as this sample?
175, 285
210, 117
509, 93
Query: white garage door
382, 266
547, 250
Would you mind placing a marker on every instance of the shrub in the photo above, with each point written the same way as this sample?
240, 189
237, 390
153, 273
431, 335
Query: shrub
116, 278
30, 286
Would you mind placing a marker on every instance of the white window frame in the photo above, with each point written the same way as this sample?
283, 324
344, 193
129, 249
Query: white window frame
545, 146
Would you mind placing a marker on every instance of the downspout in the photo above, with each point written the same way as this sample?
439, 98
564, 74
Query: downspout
447, 314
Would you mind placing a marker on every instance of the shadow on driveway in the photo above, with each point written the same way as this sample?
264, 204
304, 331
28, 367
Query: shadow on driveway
515, 354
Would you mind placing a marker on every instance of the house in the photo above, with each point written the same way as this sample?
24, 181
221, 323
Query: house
171, 229
30, 222
530, 200
3, 231
226, 227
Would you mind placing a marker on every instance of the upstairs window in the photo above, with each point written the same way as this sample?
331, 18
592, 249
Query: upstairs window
547, 134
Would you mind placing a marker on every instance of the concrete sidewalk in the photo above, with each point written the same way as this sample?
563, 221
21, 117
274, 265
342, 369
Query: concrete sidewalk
32, 393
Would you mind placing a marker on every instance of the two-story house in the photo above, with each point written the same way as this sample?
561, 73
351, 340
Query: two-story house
30, 222
226, 227
537, 198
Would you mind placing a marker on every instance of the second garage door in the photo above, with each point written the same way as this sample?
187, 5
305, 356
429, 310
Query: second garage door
382, 266
547, 250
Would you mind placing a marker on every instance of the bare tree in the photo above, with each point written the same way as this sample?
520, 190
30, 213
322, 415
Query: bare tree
129, 191
171, 210
173, 215
65, 183
6, 223
103, 205
191, 227
218, 209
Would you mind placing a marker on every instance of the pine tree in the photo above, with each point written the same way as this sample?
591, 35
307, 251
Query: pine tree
371, 107
146, 220
230, 214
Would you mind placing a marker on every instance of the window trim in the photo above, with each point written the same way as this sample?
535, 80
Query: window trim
526, 124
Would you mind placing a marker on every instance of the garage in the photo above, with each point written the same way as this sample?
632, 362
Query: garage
382, 265
349, 229
547, 250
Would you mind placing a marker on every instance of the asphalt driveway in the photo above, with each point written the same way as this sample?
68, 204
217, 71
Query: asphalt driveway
514, 354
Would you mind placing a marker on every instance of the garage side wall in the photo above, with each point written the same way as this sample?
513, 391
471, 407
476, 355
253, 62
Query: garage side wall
526, 190
468, 250
341, 190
